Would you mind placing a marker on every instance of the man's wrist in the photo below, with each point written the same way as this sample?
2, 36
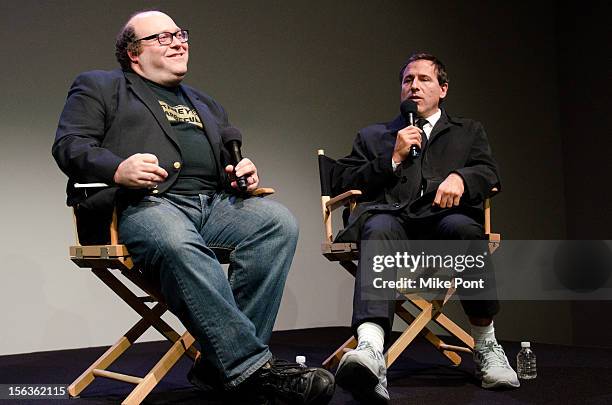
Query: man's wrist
396, 160
458, 176
117, 176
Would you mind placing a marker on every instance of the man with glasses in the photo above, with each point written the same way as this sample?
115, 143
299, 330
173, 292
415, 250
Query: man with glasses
157, 143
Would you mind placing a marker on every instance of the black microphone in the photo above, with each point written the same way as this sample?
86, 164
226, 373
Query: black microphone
409, 108
232, 139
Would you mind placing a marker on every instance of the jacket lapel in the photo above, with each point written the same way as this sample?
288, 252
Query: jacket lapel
441, 126
144, 93
397, 124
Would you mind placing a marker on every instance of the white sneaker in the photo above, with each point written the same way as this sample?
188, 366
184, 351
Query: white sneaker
493, 368
363, 373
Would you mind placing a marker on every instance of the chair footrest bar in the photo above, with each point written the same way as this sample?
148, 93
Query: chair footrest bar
116, 376
453, 348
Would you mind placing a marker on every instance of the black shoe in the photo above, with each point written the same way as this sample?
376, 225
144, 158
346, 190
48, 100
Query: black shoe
292, 383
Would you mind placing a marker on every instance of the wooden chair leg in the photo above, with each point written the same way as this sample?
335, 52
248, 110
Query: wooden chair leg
349, 266
113, 353
446, 323
430, 311
146, 385
150, 317
333, 360
137, 305
410, 333
429, 335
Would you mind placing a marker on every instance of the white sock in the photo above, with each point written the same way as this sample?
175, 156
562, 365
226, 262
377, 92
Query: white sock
482, 334
372, 333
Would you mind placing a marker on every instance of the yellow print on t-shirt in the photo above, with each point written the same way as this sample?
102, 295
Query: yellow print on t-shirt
181, 113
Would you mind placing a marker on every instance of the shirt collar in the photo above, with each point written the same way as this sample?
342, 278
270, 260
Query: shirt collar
432, 119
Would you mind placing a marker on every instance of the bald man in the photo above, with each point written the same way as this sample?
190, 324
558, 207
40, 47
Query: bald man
157, 143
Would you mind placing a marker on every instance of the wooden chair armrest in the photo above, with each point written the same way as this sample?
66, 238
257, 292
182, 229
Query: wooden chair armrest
262, 191
342, 199
99, 251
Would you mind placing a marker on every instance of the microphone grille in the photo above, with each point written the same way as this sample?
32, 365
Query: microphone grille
407, 107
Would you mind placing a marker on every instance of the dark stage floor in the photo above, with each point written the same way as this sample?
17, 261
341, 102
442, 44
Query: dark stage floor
566, 375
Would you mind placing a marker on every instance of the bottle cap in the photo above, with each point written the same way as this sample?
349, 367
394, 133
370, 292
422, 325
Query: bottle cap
525, 344
300, 359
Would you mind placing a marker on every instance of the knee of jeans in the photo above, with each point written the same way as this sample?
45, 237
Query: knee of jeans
286, 224
164, 247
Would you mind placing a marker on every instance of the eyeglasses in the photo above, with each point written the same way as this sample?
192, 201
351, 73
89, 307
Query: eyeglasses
166, 38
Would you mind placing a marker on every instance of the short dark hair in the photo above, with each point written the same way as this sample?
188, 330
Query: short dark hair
438, 65
126, 41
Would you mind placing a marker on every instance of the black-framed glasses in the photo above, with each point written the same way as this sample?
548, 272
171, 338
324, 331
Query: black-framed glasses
166, 38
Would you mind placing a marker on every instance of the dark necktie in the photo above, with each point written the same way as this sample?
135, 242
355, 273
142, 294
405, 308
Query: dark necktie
420, 124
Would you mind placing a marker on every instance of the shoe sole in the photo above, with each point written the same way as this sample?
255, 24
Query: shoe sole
324, 397
500, 384
360, 382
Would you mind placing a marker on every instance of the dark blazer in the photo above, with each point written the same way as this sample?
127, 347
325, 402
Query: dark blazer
456, 145
111, 115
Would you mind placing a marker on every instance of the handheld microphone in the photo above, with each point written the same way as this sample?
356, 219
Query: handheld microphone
232, 139
409, 108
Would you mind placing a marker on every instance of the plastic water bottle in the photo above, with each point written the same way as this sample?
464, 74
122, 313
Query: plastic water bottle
526, 362
301, 360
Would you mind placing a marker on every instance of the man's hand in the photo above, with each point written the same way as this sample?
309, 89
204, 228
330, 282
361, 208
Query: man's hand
407, 137
244, 168
449, 191
140, 171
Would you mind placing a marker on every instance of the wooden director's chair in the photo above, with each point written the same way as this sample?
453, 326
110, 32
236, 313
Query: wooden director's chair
428, 311
102, 259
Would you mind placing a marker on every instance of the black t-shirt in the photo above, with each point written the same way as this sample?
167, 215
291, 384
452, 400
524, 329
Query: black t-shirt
199, 173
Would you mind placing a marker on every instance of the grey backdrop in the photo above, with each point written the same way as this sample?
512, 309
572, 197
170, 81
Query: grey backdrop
296, 77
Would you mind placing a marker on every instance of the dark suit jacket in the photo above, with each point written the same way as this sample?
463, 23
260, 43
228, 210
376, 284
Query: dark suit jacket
456, 145
111, 115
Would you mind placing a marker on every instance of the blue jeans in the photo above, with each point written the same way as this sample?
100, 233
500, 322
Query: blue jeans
232, 317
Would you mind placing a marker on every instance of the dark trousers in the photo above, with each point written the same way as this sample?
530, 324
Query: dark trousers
453, 226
